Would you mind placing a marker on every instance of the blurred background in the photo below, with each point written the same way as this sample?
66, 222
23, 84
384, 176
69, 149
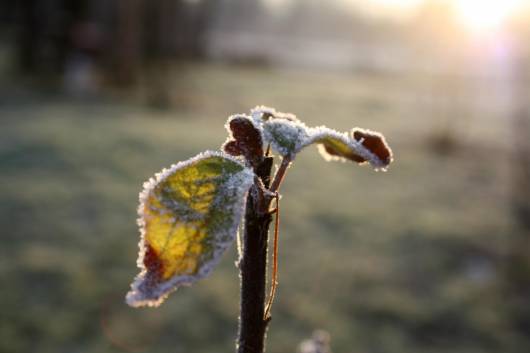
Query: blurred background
432, 256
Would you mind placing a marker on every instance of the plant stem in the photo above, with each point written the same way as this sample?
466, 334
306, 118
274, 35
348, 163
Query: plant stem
280, 174
274, 277
253, 265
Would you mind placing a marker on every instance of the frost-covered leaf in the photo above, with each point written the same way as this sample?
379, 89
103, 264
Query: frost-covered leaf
262, 113
283, 131
375, 143
290, 136
188, 216
286, 137
245, 139
361, 146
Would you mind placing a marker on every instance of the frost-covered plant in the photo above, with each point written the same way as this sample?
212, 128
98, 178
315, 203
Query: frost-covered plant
189, 214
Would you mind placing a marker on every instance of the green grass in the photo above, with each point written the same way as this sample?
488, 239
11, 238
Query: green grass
412, 260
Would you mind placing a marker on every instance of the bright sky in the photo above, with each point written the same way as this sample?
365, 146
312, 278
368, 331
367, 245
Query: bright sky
487, 15
476, 15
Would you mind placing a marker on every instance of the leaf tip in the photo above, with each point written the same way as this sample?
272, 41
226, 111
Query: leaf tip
380, 153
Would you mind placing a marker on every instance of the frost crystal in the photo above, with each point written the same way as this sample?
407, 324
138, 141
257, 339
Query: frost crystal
362, 146
288, 136
245, 138
188, 216
261, 113
285, 136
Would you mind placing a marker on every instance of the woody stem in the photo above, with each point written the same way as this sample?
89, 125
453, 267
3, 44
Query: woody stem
253, 265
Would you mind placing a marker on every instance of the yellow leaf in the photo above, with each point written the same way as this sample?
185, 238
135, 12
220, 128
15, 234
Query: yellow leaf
189, 215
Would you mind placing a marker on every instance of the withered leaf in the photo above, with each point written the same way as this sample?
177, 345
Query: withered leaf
246, 139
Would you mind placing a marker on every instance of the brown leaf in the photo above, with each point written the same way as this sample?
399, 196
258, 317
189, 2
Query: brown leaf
246, 141
232, 148
375, 143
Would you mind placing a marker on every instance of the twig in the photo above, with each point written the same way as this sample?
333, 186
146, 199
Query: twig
280, 174
274, 277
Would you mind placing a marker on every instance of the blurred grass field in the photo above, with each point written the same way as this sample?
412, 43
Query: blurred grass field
412, 260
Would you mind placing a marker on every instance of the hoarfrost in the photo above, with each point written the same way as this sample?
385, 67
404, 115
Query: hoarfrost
334, 145
262, 113
251, 119
245, 138
148, 289
286, 137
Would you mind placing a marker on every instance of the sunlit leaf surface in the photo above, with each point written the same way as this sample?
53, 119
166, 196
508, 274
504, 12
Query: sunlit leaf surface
361, 146
285, 136
189, 215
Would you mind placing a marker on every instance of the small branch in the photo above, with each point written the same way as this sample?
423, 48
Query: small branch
280, 174
274, 277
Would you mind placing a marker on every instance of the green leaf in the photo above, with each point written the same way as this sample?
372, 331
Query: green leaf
283, 131
188, 216
285, 136
288, 136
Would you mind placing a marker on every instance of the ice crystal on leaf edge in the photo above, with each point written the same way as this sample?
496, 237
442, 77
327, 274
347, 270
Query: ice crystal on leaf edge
148, 289
288, 136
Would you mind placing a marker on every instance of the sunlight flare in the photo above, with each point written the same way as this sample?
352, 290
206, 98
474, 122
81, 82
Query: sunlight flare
486, 15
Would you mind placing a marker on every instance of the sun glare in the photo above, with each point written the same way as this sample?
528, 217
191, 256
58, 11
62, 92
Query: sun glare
486, 15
